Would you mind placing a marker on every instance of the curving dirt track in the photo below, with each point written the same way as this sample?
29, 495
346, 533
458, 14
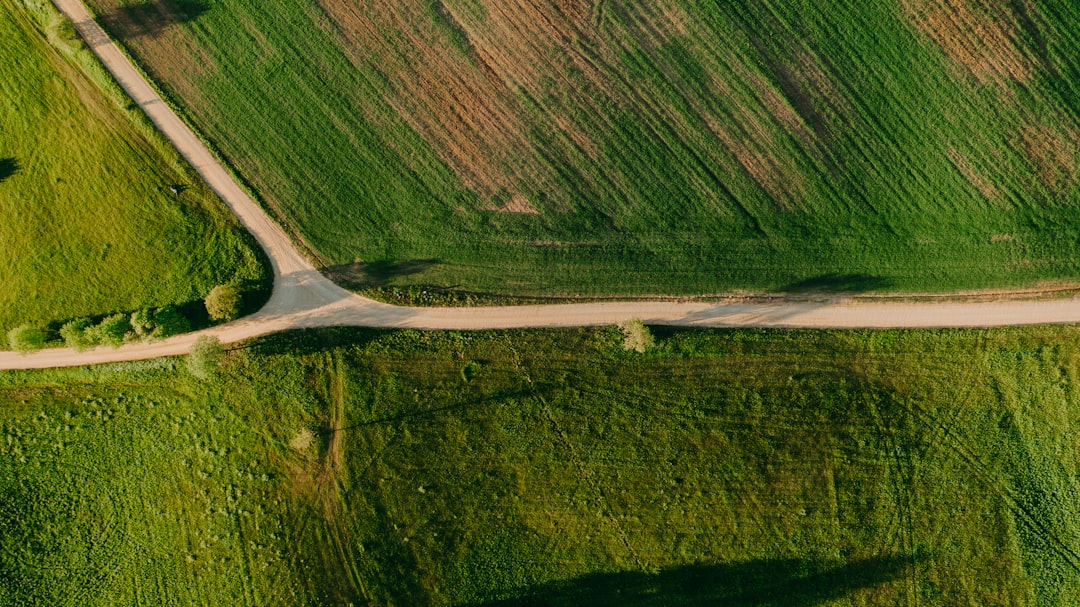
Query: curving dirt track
304, 298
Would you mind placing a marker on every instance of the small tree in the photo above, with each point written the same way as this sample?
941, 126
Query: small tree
169, 321
26, 338
223, 302
205, 356
636, 336
78, 334
112, 329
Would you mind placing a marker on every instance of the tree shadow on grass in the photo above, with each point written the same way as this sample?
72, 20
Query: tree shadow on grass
361, 274
302, 342
839, 283
761, 583
150, 19
8, 167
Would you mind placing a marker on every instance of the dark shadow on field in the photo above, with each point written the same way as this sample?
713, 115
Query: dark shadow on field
152, 18
8, 167
761, 583
1031, 33
365, 274
312, 341
429, 414
838, 283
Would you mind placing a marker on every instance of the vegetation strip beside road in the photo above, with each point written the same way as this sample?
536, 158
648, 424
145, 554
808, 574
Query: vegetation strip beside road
304, 298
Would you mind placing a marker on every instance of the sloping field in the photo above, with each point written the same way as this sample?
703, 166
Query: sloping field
577, 146
517, 468
89, 226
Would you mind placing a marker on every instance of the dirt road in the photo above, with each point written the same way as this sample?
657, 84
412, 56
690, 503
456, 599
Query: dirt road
303, 298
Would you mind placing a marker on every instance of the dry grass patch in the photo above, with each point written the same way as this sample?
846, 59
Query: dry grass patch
303, 440
976, 179
1053, 153
979, 37
520, 205
154, 32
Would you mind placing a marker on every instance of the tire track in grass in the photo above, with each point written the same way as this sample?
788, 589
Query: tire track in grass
902, 477
607, 513
336, 480
985, 474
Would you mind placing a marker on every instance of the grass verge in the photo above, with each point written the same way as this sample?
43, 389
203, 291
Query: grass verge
91, 226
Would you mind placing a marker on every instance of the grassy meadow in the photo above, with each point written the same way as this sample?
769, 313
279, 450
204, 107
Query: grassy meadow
742, 468
89, 225
613, 147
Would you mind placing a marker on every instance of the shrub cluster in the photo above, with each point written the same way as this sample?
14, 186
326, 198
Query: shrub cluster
26, 338
223, 302
117, 329
636, 336
205, 357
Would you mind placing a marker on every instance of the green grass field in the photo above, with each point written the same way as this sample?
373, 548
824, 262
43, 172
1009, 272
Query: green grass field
553, 468
89, 226
614, 147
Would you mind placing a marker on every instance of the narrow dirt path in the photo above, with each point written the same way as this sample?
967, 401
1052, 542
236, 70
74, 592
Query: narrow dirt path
304, 298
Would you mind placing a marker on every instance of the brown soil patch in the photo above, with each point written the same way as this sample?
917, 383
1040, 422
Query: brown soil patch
443, 93
1053, 153
971, 175
454, 75
154, 33
576, 11
508, 92
577, 135
518, 204
981, 37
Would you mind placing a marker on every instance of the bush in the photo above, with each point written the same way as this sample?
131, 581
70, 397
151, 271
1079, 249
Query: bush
636, 336
79, 334
142, 324
223, 302
112, 330
471, 371
169, 321
205, 356
26, 338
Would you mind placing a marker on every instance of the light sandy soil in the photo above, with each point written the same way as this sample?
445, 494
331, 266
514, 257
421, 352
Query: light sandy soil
304, 298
